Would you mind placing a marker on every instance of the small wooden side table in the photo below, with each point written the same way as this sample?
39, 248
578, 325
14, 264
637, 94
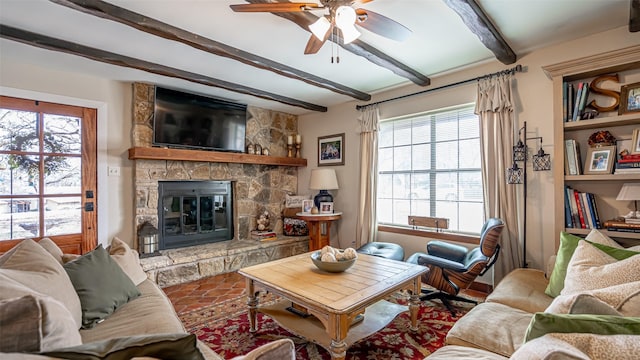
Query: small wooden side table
317, 240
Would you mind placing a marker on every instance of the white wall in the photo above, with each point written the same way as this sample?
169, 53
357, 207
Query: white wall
113, 101
533, 95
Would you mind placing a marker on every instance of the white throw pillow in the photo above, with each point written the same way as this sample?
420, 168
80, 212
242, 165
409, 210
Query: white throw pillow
590, 268
597, 237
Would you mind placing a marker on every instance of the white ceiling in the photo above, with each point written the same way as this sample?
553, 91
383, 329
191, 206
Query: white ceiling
440, 42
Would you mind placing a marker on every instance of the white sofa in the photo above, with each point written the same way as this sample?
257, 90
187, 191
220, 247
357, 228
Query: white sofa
593, 313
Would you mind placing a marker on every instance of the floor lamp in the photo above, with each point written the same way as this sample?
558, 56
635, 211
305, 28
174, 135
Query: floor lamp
517, 175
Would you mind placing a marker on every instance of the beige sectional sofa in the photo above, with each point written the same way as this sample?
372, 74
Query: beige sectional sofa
46, 311
595, 315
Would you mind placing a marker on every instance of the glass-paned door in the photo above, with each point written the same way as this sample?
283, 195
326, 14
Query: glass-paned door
47, 174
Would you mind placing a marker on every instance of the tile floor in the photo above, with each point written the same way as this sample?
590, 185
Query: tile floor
193, 295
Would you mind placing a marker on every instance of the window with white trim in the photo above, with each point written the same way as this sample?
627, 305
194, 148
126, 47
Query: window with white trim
429, 165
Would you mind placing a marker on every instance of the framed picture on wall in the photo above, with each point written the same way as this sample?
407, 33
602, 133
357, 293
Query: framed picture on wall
331, 150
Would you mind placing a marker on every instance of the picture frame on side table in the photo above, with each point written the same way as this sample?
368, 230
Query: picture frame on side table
600, 160
307, 205
629, 99
331, 150
326, 208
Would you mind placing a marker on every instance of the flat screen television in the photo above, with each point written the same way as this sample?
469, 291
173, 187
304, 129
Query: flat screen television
184, 120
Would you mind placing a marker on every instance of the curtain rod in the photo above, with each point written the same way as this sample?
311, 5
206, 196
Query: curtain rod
515, 69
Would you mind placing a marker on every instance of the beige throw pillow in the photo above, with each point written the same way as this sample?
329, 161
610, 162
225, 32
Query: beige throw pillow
128, 259
52, 248
591, 269
32, 266
34, 322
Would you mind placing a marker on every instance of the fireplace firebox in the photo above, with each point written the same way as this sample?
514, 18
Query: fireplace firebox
194, 213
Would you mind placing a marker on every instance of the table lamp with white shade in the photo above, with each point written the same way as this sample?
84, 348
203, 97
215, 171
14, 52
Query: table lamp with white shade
323, 180
630, 192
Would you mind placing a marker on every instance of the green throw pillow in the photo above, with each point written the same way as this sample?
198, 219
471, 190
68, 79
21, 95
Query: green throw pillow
101, 285
545, 323
161, 346
568, 245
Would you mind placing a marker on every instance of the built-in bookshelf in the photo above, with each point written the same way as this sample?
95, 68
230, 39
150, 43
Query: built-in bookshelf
603, 188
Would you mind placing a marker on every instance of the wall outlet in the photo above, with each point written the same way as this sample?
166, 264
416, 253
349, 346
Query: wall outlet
113, 171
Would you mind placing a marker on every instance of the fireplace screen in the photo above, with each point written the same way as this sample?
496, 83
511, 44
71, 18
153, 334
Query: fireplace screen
194, 212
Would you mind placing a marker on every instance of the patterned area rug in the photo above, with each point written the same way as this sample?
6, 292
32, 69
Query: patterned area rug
225, 328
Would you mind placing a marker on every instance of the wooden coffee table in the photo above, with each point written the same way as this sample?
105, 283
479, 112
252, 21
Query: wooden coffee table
333, 310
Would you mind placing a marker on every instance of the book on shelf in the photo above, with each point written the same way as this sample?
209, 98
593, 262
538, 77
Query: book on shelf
565, 88
627, 165
583, 99
627, 171
573, 163
576, 103
594, 210
621, 225
623, 230
571, 93
581, 210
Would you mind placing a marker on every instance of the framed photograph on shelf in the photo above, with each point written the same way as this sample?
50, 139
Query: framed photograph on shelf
307, 205
635, 147
326, 208
331, 150
629, 99
600, 160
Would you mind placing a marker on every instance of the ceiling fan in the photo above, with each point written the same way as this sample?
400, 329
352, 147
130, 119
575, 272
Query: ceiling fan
342, 15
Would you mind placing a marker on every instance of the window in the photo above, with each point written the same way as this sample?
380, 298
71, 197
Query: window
429, 165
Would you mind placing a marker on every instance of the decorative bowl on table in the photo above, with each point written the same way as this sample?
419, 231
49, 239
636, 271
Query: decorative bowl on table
331, 266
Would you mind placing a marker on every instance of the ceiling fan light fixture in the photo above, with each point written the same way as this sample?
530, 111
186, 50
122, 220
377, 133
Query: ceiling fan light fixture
320, 28
345, 17
345, 21
349, 34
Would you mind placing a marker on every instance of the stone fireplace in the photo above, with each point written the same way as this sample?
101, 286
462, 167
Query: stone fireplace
254, 189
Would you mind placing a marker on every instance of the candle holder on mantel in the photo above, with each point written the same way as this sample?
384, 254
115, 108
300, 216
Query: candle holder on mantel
298, 145
290, 146
289, 150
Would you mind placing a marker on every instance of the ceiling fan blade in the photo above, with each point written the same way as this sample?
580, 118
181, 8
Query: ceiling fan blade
382, 25
275, 7
314, 44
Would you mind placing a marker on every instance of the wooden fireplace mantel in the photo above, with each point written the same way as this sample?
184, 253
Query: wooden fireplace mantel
153, 153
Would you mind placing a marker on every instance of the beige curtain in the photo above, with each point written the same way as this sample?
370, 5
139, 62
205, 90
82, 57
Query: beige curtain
495, 109
367, 226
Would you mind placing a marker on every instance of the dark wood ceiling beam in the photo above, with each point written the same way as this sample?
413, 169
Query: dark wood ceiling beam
152, 26
357, 47
634, 15
479, 23
67, 47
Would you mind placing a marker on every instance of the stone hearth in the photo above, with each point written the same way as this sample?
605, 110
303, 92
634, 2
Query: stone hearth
186, 264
